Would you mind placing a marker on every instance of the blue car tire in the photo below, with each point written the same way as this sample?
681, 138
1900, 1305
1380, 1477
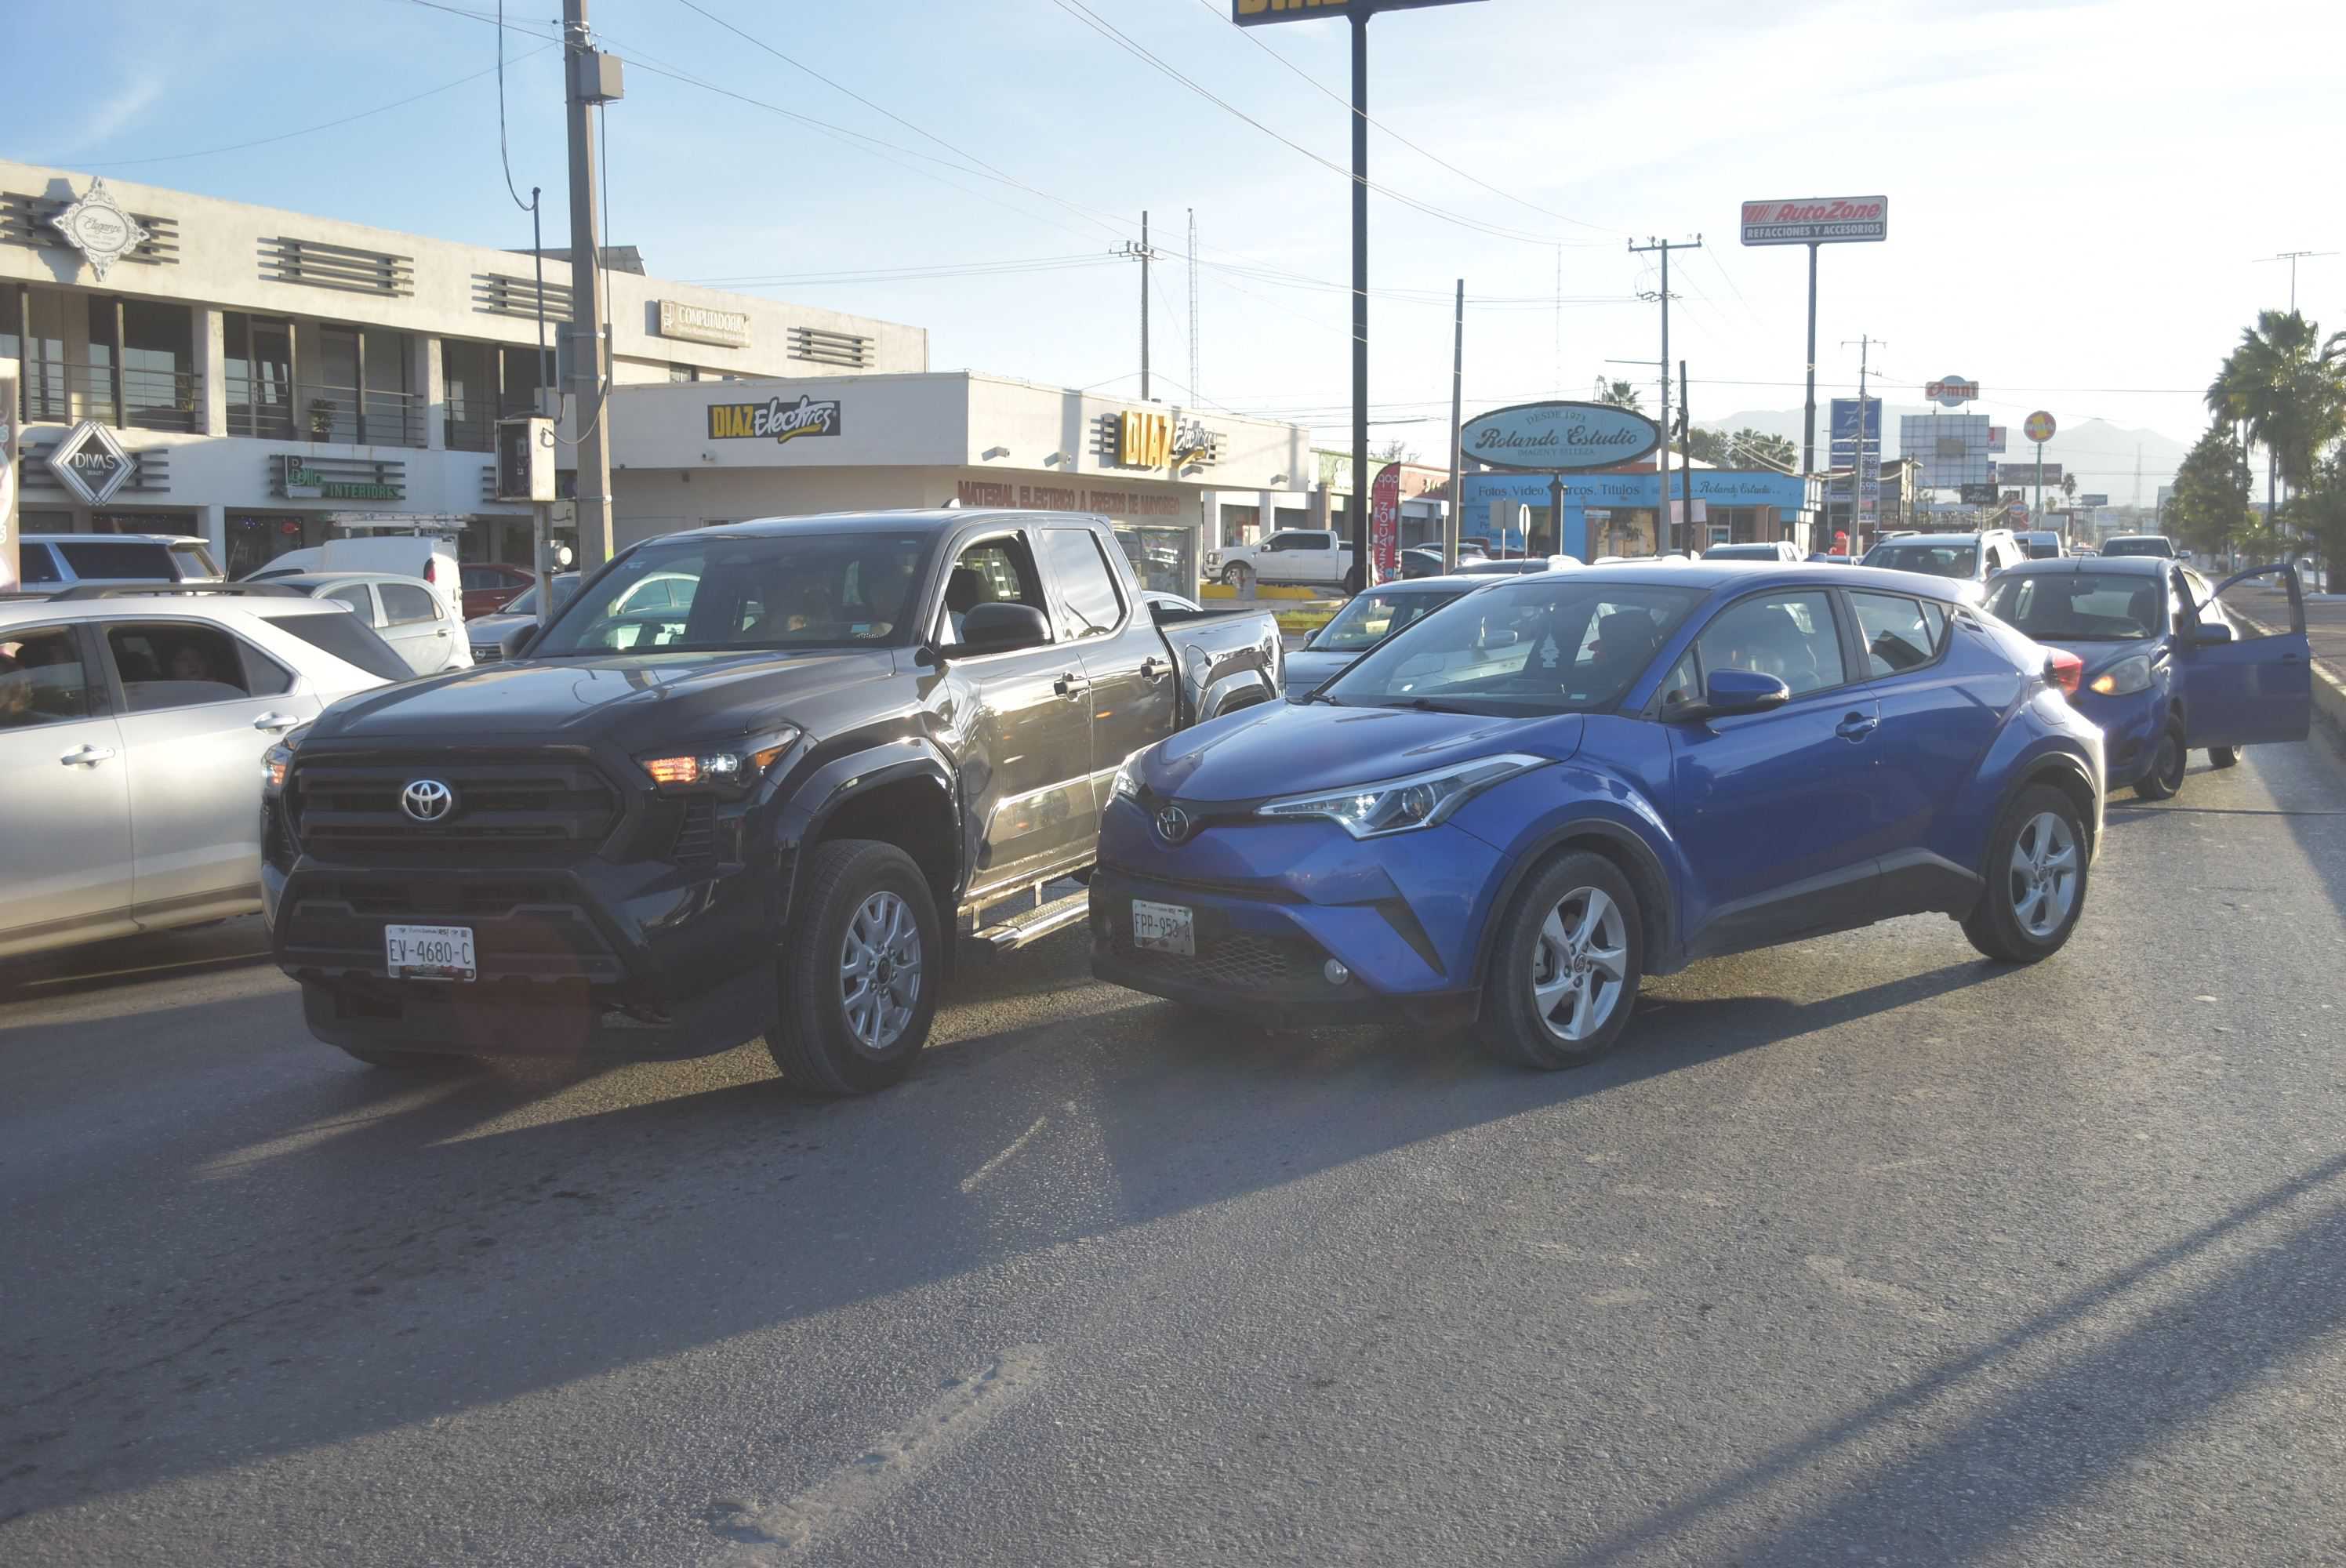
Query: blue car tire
2223, 756
1565, 965
2037, 863
2167, 766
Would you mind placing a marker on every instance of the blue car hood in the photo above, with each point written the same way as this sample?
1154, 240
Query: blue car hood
1277, 749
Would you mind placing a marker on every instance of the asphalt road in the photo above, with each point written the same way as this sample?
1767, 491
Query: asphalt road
1863, 1251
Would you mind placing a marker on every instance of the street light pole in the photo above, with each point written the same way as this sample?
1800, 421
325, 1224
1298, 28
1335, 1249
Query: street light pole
1457, 431
1359, 19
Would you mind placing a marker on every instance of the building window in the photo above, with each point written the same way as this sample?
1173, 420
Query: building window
159, 377
518, 392
257, 367
677, 372
468, 379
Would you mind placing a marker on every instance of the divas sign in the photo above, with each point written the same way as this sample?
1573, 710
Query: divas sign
1554, 437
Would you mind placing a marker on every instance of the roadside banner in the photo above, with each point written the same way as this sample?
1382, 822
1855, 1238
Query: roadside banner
1384, 522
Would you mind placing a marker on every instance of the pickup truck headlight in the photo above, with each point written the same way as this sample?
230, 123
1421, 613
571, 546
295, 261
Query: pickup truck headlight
1400, 805
730, 769
2123, 678
277, 760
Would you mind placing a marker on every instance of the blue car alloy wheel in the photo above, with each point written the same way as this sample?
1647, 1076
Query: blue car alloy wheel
1567, 964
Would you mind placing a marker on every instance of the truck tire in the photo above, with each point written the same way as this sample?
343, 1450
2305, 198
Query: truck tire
1239, 577
859, 972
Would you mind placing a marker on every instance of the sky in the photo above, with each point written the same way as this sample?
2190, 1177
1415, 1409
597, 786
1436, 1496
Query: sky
2079, 194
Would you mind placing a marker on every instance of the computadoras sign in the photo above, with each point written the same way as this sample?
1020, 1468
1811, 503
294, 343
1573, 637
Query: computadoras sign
1553, 437
772, 418
99, 230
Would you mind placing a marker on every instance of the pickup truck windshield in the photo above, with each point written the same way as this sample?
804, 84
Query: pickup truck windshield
1558, 645
715, 595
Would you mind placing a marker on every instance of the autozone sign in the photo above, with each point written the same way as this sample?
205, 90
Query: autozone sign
1816, 220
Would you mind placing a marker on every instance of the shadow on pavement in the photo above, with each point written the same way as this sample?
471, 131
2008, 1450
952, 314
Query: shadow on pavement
346, 1251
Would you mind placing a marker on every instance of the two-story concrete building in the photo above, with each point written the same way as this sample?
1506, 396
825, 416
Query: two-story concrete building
267, 373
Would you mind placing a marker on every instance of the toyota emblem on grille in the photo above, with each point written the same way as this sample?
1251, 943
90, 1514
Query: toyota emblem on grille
427, 799
1172, 824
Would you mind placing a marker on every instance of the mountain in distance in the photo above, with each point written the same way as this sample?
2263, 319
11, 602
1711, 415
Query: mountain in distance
2100, 453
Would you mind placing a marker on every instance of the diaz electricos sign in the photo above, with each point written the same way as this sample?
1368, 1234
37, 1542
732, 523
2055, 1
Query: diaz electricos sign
1554, 437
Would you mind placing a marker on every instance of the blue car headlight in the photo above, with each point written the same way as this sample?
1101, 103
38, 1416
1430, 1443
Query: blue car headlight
1126, 787
1386, 806
2124, 678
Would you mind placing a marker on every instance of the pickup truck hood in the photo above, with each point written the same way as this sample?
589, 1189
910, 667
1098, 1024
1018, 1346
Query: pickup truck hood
670, 697
1281, 749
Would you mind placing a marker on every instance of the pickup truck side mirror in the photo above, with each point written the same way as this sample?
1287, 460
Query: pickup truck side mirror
512, 644
999, 627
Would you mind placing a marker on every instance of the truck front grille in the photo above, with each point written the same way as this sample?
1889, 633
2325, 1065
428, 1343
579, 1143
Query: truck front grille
505, 810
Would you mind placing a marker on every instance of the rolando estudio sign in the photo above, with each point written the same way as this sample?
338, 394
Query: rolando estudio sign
1554, 437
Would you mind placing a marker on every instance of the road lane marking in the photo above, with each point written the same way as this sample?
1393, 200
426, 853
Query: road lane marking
1834, 1271
969, 1183
763, 1537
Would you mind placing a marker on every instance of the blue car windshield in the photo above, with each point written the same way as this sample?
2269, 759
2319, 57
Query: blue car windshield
1562, 644
2080, 606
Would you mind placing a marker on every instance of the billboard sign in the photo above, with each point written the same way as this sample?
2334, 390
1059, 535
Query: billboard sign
1995, 437
1949, 449
1844, 456
1559, 437
2023, 475
1816, 220
1953, 391
1978, 495
2039, 426
2095, 499
1385, 522
1255, 12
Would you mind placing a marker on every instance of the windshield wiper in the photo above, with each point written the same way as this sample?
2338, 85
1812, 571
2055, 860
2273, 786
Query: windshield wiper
1316, 696
1427, 705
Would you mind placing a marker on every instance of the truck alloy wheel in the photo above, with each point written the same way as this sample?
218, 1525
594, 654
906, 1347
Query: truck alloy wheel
856, 976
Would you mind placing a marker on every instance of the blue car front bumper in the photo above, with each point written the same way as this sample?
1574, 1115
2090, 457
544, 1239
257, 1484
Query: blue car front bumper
1273, 904
2131, 727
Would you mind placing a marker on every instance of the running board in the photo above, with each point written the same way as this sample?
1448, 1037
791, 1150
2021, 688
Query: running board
1034, 924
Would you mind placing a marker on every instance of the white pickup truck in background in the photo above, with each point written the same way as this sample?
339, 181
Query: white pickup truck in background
1314, 557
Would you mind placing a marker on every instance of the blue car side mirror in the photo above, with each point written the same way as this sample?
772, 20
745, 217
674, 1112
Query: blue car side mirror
2213, 632
1729, 691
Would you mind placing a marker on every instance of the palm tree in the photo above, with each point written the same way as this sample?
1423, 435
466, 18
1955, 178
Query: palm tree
2283, 386
1775, 452
1619, 395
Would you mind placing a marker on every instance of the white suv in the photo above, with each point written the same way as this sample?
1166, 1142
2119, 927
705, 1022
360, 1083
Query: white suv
52, 561
132, 727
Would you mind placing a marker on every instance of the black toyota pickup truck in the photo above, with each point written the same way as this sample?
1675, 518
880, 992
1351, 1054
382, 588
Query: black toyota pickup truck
754, 779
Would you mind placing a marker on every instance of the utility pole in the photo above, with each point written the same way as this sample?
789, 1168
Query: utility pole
1457, 508
1195, 395
2293, 257
1685, 456
1808, 418
1857, 452
1662, 464
1359, 20
592, 80
1144, 254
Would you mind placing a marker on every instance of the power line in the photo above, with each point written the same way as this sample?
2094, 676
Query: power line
1089, 17
1249, 35
504, 155
305, 130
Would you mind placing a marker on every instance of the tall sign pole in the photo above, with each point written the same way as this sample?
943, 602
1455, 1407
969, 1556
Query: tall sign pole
1812, 221
1361, 13
11, 572
2039, 428
1457, 508
592, 79
1256, 13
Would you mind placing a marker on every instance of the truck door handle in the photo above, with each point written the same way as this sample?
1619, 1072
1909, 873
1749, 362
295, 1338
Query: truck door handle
1071, 685
86, 756
1152, 666
1856, 726
273, 722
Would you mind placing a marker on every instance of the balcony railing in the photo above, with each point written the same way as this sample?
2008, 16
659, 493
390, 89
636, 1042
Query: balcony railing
65, 391
307, 411
471, 430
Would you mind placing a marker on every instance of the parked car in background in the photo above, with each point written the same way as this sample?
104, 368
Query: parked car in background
1314, 558
1516, 566
421, 625
1825, 558
1677, 764
2141, 544
430, 556
1755, 550
1368, 618
131, 727
490, 585
2042, 544
763, 810
1967, 559
66, 560
487, 634
2158, 663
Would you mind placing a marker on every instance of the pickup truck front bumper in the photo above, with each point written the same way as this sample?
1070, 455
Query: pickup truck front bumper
638, 961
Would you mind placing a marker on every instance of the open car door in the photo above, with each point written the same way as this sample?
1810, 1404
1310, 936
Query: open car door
2246, 671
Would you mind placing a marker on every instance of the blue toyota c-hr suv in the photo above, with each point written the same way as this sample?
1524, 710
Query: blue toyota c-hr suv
2161, 666
1533, 798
